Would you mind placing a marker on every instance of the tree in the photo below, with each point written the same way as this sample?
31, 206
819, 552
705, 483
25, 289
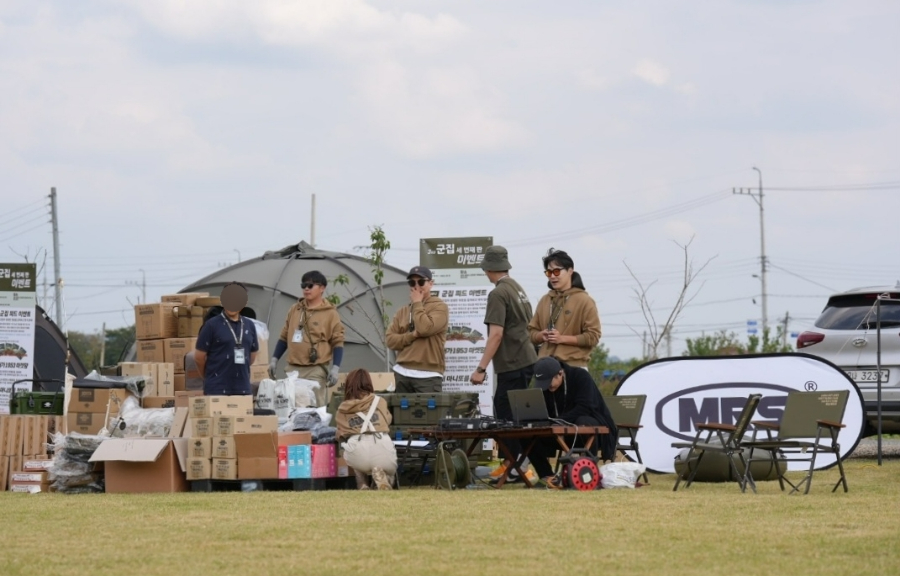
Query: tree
89, 347
656, 332
724, 343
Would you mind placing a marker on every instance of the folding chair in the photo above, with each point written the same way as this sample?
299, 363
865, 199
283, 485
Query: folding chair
727, 441
809, 427
626, 412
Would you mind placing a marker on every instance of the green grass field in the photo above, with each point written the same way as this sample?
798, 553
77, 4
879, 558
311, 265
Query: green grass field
706, 529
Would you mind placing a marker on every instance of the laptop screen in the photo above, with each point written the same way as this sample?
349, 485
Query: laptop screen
528, 406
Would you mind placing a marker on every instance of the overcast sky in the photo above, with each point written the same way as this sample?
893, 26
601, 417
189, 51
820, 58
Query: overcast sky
182, 135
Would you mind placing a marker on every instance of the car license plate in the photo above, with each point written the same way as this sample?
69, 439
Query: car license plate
864, 376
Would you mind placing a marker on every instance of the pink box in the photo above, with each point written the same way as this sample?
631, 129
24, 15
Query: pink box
324, 461
282, 462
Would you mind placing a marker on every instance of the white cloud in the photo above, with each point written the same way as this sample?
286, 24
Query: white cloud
651, 72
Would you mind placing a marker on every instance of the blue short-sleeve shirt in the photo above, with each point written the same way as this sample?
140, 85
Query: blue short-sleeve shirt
217, 339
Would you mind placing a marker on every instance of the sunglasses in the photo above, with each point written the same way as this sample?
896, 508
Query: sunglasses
553, 272
420, 281
307, 285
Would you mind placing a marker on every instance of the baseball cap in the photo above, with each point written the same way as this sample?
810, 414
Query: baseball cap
545, 370
420, 271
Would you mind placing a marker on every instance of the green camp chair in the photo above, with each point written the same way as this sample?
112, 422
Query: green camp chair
809, 427
727, 441
626, 412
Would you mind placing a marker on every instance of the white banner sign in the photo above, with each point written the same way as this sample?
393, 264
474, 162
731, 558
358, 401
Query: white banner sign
17, 310
460, 283
684, 392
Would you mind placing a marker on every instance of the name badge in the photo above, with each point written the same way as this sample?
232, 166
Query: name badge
239, 356
298, 336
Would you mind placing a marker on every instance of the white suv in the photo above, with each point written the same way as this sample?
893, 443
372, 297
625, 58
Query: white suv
846, 335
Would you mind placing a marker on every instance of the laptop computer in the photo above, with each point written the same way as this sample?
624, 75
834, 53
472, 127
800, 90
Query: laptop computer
528, 408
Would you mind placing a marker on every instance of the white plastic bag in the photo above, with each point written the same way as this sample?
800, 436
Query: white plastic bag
265, 394
620, 474
304, 390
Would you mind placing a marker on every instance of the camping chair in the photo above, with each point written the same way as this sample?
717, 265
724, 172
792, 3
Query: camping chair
626, 412
809, 427
727, 441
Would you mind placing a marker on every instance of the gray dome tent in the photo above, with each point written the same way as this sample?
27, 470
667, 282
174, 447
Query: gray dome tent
273, 286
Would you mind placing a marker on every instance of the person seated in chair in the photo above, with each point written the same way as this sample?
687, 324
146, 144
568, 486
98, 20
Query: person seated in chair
363, 421
572, 397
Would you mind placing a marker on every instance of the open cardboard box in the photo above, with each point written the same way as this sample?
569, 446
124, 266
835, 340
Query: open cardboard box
146, 464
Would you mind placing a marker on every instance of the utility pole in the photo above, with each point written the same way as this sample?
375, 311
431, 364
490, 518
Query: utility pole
56, 264
784, 329
143, 285
312, 223
103, 345
758, 198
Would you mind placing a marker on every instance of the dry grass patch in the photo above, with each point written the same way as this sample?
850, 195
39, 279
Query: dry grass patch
708, 528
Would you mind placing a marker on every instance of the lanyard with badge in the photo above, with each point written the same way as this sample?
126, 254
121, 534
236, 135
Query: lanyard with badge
238, 340
298, 334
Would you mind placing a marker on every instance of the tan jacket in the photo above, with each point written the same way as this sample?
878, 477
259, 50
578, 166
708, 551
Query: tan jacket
321, 327
426, 352
574, 313
349, 422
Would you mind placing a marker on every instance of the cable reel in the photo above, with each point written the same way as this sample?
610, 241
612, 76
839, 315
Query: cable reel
451, 467
581, 474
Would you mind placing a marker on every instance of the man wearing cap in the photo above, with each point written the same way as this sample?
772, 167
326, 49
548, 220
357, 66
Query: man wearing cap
417, 335
508, 345
573, 397
227, 346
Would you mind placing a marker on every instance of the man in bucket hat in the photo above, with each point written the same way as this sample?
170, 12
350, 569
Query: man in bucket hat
508, 345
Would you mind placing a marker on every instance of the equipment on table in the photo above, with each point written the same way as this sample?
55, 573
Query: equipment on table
477, 423
528, 408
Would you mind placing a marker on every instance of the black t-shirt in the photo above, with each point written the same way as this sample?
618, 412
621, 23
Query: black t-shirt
508, 306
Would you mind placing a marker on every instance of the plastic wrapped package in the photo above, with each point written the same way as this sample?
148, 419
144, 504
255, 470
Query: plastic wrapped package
71, 473
621, 474
315, 420
136, 421
262, 331
137, 385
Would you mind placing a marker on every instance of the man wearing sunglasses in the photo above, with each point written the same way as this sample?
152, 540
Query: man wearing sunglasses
313, 337
417, 334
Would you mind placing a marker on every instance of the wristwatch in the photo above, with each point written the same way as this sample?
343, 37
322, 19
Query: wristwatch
480, 370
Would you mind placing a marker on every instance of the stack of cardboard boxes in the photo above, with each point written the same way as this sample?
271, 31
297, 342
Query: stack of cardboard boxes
88, 407
23, 438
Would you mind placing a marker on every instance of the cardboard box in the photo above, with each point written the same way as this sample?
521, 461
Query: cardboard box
199, 448
28, 477
96, 399
299, 461
230, 405
29, 488
150, 351
146, 370
182, 397
198, 406
200, 427
13, 464
165, 379
4, 473
143, 464
85, 422
178, 383
262, 355
34, 429
175, 349
208, 301
224, 469
37, 464
324, 462
381, 381
183, 299
158, 402
153, 321
198, 468
257, 454
189, 326
255, 424
258, 373
223, 447
223, 425
179, 421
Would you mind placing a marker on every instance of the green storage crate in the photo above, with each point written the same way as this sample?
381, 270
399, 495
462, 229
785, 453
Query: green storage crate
50, 403
429, 409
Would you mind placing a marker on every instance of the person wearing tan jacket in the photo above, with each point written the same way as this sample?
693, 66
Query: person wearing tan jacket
566, 324
313, 337
417, 333
363, 428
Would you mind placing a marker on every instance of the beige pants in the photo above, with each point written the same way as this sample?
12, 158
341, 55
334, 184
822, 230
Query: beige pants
319, 373
366, 451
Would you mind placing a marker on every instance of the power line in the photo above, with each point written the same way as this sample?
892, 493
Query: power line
802, 278
840, 187
19, 217
17, 234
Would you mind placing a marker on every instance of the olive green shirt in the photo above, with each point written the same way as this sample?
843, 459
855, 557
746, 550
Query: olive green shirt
508, 306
